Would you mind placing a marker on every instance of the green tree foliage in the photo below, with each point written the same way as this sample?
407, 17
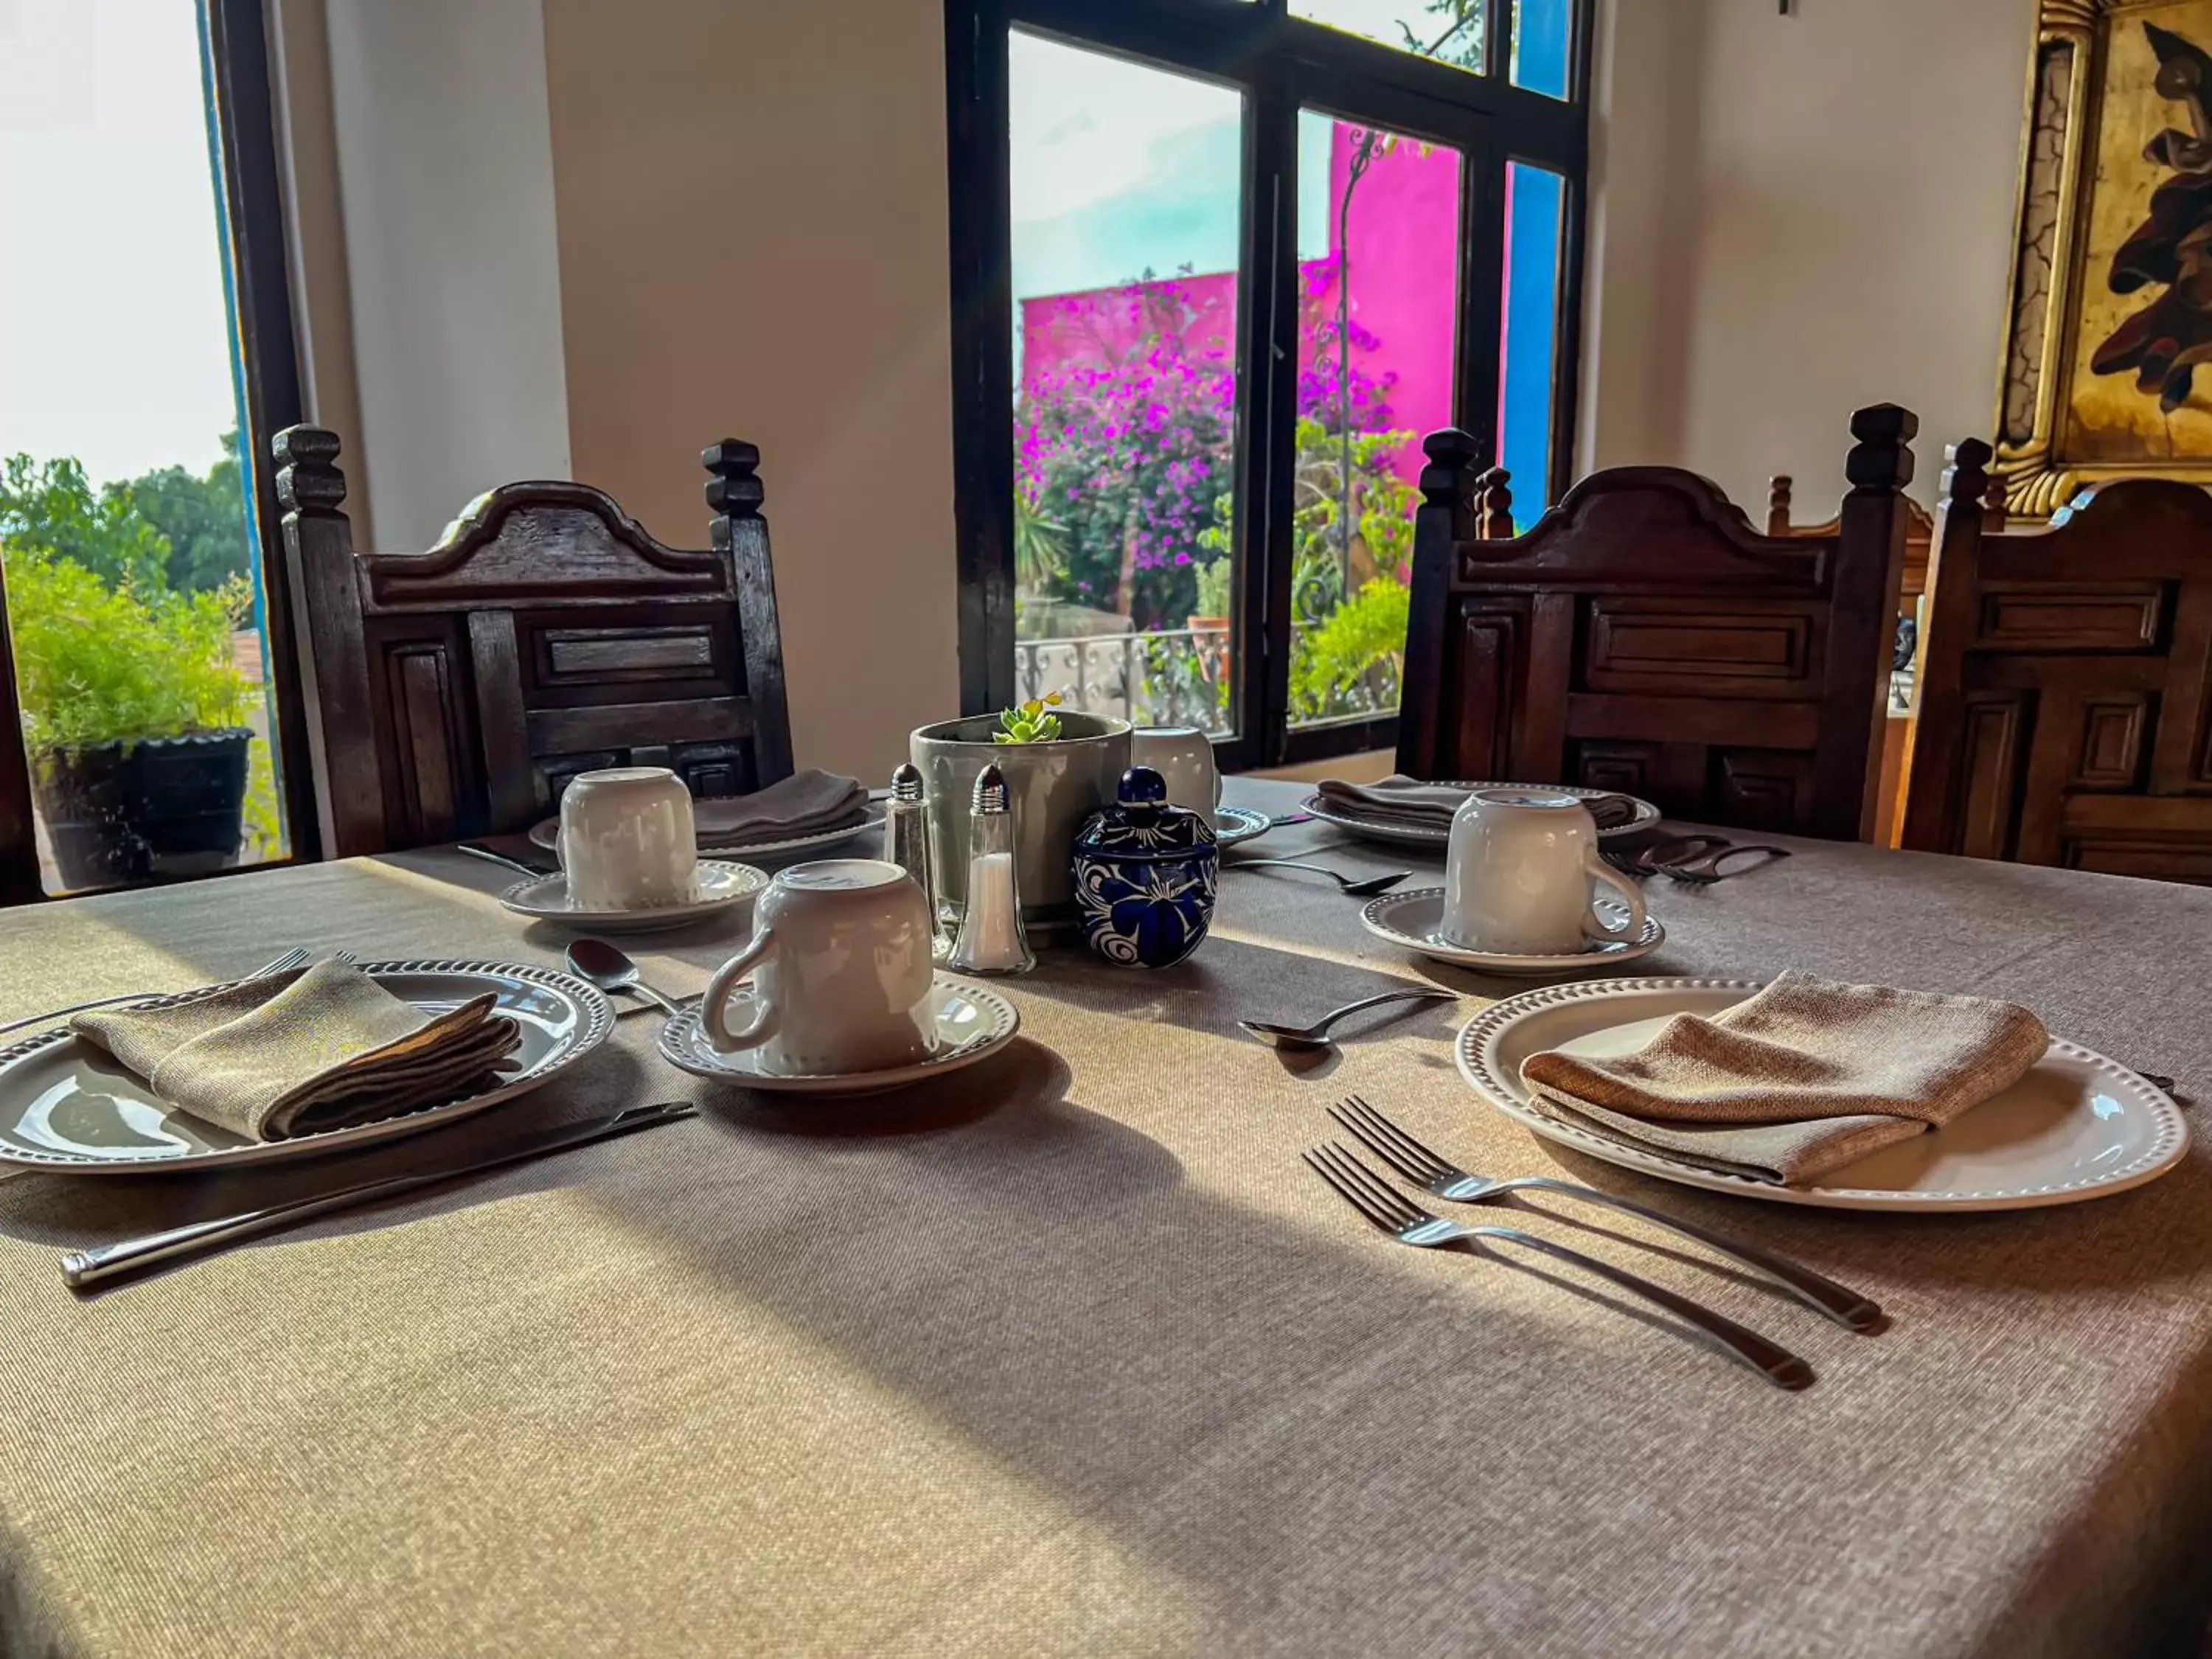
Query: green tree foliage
167, 529
204, 519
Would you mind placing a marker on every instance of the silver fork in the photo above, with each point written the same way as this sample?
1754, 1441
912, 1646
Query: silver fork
293, 958
1426, 1170
1385, 1206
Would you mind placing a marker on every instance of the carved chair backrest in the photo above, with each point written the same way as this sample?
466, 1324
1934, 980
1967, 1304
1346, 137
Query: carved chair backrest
1643, 636
455, 692
2065, 697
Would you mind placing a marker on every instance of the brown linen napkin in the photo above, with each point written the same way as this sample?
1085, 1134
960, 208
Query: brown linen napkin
801, 804
1401, 799
1804, 1077
297, 1053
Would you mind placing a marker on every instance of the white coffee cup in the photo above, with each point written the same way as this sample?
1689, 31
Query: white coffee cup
1521, 874
627, 841
840, 966
1182, 755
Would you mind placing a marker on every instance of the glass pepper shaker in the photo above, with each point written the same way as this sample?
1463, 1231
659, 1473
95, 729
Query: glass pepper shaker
991, 938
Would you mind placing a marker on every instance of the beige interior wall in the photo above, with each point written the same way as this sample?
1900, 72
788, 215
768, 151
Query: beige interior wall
753, 243
1796, 216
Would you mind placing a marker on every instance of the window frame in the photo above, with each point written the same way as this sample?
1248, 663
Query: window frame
1281, 64
237, 81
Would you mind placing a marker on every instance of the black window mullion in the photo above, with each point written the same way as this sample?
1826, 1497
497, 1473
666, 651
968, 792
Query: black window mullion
1567, 340
983, 350
1481, 298
1270, 354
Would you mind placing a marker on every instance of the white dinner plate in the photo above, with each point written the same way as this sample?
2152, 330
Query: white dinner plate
721, 886
967, 1022
1411, 918
1348, 817
66, 1106
547, 835
2077, 1127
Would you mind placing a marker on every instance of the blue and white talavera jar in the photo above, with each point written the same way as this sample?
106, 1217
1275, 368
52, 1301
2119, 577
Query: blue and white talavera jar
1144, 875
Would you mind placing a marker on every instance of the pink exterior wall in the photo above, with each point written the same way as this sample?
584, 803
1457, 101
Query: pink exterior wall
1405, 280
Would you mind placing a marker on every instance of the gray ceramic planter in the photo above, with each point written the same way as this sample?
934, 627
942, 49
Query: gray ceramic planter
1053, 786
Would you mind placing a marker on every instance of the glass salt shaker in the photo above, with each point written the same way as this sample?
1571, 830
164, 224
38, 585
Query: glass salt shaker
991, 938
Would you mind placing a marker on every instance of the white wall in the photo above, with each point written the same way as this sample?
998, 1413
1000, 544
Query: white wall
754, 244
1796, 217
445, 166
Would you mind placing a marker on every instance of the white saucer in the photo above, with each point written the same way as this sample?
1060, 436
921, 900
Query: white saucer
968, 1023
721, 886
2078, 1126
1411, 918
1347, 816
1235, 824
547, 835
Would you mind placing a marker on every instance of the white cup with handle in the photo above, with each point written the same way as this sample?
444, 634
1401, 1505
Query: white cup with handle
840, 971
1184, 755
627, 840
1522, 873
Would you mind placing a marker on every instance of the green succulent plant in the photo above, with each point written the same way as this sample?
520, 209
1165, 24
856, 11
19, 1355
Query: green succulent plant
1031, 723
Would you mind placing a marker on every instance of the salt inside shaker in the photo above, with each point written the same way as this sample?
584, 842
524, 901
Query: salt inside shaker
991, 938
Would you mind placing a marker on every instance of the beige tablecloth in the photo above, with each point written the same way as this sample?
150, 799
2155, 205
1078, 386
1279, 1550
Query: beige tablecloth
1070, 1355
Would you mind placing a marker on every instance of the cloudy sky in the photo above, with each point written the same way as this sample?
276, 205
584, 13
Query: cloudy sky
113, 345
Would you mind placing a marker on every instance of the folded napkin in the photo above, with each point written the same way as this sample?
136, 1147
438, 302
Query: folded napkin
801, 804
1806, 1076
1401, 799
296, 1053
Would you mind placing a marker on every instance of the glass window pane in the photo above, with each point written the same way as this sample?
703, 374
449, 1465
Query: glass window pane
1378, 269
1449, 31
131, 562
1127, 188
1533, 199
1543, 43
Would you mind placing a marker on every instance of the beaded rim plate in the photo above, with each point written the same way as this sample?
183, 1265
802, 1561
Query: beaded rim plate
1406, 835
721, 886
1409, 919
547, 834
968, 1021
66, 1107
2077, 1127
1233, 824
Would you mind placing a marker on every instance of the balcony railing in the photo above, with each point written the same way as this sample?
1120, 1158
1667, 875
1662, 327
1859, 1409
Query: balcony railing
1174, 677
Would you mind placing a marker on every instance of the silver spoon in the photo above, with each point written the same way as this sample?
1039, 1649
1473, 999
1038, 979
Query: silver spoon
1358, 887
1305, 1037
611, 970
478, 850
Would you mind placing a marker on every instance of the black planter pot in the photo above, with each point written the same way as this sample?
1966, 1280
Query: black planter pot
126, 811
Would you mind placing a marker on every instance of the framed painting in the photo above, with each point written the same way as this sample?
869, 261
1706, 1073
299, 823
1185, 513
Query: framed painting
2111, 308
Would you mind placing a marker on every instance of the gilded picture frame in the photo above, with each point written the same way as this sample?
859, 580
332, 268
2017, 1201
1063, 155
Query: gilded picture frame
2111, 305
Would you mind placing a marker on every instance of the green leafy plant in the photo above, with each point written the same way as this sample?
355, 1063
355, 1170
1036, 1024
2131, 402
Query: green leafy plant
1213, 583
96, 662
1361, 636
1031, 723
1040, 548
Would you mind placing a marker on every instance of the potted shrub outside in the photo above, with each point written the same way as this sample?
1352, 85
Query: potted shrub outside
134, 720
1060, 769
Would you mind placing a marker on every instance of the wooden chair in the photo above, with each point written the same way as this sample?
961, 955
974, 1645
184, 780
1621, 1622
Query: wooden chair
455, 692
2064, 674
1643, 636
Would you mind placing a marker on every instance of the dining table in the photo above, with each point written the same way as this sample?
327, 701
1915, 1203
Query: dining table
1070, 1353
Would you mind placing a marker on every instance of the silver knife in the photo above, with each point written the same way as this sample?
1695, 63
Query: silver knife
84, 1270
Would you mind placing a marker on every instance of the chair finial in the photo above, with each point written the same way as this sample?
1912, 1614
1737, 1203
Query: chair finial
1454, 470
1779, 493
308, 481
735, 491
1493, 520
1966, 478
1881, 462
